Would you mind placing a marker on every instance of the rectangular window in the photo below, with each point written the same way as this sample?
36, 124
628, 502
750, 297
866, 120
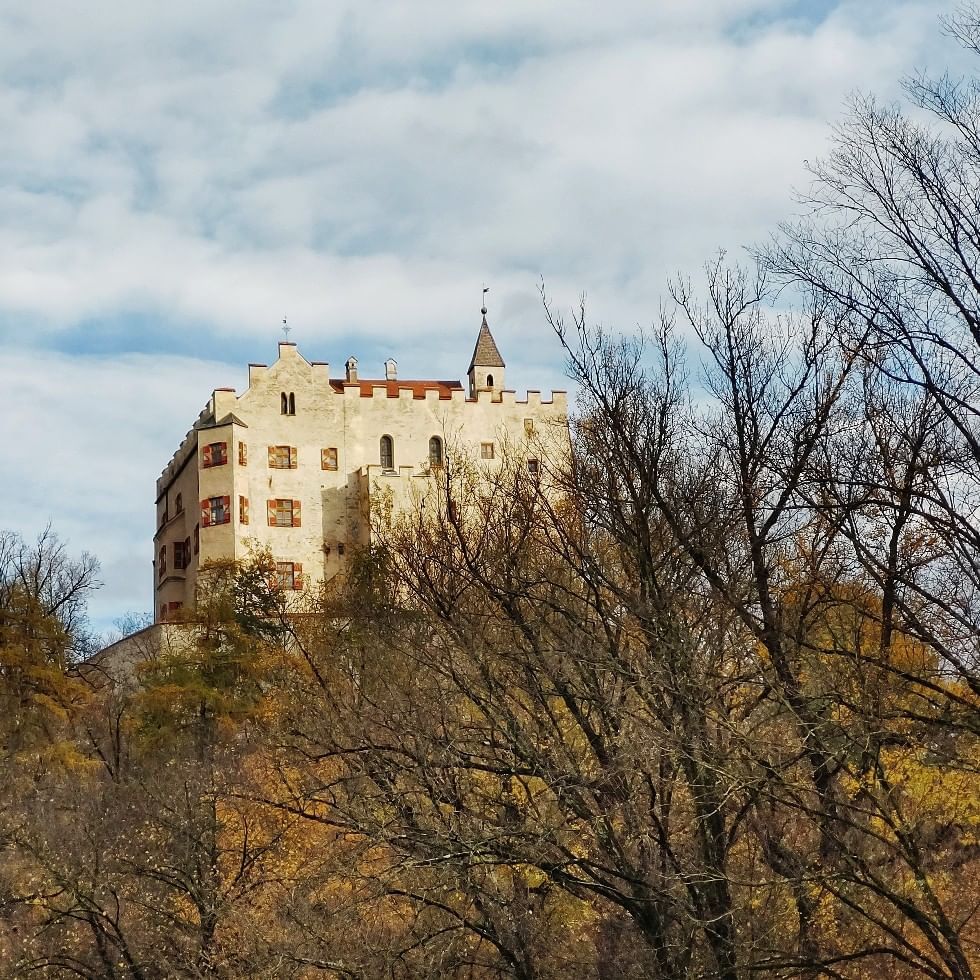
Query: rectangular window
328, 459
242, 454
197, 538
532, 467
179, 504
289, 575
486, 450
173, 608
282, 457
529, 427
214, 455
215, 510
284, 513
187, 552
179, 560
243, 510
162, 564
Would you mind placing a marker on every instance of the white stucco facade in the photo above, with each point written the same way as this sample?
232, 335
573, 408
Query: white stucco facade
292, 463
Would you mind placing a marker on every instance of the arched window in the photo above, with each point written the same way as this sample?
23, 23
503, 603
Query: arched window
283, 404
489, 380
435, 451
292, 404
180, 503
387, 453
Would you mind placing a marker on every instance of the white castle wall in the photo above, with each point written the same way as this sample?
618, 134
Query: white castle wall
350, 420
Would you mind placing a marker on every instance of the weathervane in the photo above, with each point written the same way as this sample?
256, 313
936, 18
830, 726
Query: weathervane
483, 308
285, 328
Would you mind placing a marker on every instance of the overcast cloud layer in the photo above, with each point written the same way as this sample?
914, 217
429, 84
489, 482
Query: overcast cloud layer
176, 179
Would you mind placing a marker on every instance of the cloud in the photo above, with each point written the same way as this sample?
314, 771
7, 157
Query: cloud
82, 441
170, 169
178, 177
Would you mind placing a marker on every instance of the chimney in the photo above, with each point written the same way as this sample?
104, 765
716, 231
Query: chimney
351, 370
391, 369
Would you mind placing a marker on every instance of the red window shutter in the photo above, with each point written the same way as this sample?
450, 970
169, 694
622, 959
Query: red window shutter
297, 575
206, 457
243, 509
205, 512
226, 507
292, 457
242, 454
271, 508
297, 522
220, 453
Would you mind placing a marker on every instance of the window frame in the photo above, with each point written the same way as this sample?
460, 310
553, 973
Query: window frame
386, 448
276, 510
438, 459
283, 457
295, 576
284, 511
214, 454
216, 510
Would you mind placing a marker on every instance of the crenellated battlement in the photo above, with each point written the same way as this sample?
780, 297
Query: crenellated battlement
295, 462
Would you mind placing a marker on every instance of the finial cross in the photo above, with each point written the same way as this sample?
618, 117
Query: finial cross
285, 328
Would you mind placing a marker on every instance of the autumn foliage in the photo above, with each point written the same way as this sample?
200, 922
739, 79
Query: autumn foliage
698, 698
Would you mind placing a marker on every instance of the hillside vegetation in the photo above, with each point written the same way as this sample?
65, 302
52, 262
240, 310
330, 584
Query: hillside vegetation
699, 700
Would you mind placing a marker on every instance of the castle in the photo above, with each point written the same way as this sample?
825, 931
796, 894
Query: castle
291, 465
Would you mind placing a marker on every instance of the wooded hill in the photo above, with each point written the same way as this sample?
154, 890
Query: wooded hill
701, 700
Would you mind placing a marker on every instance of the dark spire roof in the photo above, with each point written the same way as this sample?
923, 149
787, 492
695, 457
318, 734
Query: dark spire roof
485, 353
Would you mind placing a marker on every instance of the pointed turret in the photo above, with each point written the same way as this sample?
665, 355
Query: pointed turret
486, 370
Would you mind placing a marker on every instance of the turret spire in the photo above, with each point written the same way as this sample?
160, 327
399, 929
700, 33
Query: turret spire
486, 370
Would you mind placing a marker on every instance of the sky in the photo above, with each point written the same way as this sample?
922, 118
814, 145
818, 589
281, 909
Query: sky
177, 178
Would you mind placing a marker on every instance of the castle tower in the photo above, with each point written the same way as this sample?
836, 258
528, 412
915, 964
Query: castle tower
293, 465
486, 370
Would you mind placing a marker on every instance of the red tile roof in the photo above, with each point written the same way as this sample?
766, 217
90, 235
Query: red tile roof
418, 388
